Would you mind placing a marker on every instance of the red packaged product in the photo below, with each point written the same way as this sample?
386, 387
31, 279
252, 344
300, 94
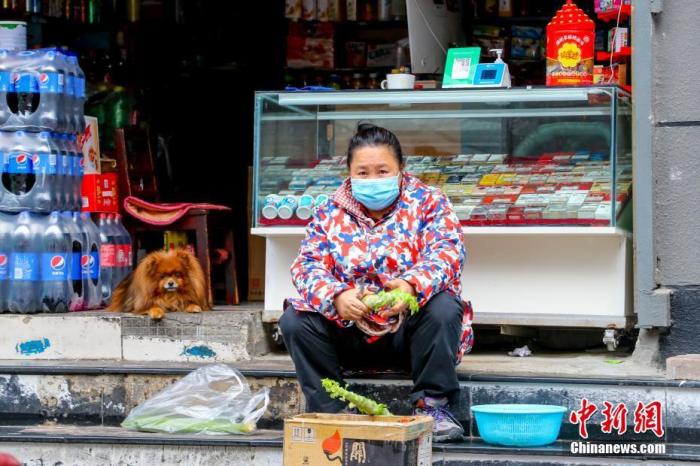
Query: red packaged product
100, 193
570, 47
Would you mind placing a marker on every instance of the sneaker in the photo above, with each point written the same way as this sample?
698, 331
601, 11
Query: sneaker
446, 427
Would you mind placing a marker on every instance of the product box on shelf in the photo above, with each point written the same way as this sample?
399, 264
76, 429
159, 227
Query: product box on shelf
603, 74
381, 55
607, 5
617, 39
328, 10
310, 52
310, 45
90, 145
100, 193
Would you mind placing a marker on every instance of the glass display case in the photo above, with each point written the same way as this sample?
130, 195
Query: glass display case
505, 157
541, 179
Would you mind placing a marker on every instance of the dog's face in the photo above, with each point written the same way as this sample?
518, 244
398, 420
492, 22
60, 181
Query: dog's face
171, 274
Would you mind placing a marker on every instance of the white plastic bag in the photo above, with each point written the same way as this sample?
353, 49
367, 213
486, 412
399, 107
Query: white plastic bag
213, 400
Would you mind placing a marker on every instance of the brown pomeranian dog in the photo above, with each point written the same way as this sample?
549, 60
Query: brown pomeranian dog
163, 282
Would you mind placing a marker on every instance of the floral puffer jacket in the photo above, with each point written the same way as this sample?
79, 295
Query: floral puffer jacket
419, 240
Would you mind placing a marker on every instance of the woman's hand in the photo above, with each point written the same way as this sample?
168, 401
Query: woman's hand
348, 305
399, 307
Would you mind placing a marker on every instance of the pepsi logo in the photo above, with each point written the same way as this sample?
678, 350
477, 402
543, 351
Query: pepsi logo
87, 262
21, 159
15, 77
35, 159
43, 78
82, 162
58, 263
3, 260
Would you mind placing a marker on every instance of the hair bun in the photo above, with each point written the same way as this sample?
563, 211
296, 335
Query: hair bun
365, 126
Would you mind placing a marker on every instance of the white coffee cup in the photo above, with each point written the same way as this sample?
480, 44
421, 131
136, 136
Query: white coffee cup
399, 81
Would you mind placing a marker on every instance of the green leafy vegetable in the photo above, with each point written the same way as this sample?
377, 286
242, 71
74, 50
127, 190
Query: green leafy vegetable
174, 424
387, 299
362, 403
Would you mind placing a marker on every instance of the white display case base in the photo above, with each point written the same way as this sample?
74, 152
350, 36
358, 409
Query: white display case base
530, 276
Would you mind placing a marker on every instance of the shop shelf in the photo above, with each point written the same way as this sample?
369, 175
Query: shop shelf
612, 15
617, 57
440, 96
375, 24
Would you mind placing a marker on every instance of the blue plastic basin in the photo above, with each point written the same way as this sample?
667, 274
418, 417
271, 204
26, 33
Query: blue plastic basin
519, 425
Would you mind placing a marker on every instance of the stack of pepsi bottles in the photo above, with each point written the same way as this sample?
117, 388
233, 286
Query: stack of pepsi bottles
49, 251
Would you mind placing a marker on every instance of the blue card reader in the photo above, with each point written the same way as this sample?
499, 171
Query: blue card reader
494, 74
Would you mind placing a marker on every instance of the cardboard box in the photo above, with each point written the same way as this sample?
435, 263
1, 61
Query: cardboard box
381, 55
256, 268
346, 439
89, 143
100, 193
618, 38
605, 75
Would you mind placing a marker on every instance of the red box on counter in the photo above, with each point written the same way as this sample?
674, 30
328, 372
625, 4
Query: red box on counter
100, 193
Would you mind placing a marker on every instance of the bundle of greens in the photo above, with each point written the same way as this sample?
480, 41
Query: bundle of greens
178, 424
387, 299
363, 404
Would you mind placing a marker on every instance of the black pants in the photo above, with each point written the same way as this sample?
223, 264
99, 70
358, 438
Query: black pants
427, 343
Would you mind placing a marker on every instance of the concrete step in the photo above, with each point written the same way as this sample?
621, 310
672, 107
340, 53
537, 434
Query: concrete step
103, 393
235, 334
107, 446
228, 334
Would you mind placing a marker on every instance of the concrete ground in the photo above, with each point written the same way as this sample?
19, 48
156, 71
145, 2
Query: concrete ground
573, 364
551, 364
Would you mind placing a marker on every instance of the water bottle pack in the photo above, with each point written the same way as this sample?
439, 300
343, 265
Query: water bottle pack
41, 90
52, 258
49, 263
41, 172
